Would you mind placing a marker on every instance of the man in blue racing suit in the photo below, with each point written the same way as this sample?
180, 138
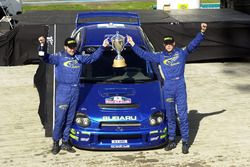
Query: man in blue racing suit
172, 61
68, 68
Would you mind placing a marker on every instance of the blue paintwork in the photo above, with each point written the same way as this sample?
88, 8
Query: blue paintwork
93, 94
146, 99
128, 15
102, 33
149, 102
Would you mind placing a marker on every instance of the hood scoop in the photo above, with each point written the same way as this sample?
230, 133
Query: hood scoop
109, 92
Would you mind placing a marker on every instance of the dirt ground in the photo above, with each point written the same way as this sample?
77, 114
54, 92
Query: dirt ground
219, 112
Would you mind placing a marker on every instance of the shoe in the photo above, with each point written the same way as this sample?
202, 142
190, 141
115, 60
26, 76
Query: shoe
67, 147
55, 149
185, 148
171, 145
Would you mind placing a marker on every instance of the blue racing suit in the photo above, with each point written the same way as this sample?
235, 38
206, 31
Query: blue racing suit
173, 66
67, 73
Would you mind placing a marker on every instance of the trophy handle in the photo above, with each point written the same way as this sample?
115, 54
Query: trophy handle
108, 37
126, 42
125, 45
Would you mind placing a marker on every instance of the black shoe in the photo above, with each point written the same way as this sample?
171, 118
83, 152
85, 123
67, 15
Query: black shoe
67, 147
185, 148
171, 145
55, 149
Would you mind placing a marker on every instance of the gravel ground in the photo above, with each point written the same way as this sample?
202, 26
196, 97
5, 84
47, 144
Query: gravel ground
219, 112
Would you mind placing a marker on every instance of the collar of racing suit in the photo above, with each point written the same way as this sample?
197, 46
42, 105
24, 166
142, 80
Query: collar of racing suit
166, 53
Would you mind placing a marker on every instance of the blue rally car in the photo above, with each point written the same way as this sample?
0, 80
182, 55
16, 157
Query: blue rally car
119, 108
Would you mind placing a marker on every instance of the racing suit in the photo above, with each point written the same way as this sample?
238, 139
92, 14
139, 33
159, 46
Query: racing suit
175, 96
67, 72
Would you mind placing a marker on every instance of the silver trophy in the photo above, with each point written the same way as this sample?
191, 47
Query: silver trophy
118, 43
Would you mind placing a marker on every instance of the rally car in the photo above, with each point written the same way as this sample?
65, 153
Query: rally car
118, 108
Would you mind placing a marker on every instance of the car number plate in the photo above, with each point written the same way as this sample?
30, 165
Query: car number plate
119, 141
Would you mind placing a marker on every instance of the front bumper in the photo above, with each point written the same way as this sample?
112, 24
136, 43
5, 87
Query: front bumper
122, 140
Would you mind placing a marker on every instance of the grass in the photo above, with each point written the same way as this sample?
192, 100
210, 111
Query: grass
139, 5
130, 5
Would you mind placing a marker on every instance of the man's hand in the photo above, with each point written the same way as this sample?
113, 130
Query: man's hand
203, 27
41, 39
130, 40
105, 43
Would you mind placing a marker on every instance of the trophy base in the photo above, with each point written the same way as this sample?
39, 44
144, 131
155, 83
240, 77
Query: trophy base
119, 63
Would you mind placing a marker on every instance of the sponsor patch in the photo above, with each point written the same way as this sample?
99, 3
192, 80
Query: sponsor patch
118, 100
153, 132
154, 138
120, 146
119, 118
85, 133
172, 61
63, 107
110, 25
169, 100
84, 139
71, 64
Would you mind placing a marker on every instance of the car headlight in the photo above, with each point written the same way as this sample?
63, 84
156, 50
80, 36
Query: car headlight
159, 119
156, 118
152, 121
82, 120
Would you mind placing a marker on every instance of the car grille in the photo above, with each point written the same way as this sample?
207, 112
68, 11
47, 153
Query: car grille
118, 106
119, 137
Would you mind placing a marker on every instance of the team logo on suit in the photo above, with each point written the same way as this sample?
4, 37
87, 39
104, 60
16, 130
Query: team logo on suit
71, 64
172, 61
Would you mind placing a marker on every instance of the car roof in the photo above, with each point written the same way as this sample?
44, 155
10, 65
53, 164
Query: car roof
95, 34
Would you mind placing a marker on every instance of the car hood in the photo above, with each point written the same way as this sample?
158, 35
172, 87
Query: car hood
120, 102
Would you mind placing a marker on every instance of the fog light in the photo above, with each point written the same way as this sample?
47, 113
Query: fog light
156, 118
82, 120
159, 120
85, 121
152, 122
78, 120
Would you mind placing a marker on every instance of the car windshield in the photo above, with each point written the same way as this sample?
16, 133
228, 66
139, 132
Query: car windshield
102, 70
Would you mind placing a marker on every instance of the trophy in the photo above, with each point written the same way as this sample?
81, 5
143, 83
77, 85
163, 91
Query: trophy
118, 43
